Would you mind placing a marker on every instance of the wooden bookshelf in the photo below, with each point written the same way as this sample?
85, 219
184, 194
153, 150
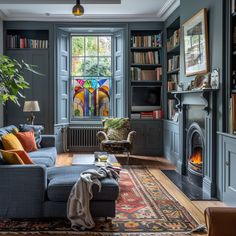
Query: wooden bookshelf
146, 48
173, 66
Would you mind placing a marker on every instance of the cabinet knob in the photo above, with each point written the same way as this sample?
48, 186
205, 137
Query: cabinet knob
227, 163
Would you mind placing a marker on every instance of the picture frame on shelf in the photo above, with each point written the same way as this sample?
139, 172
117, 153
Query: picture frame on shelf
215, 79
195, 33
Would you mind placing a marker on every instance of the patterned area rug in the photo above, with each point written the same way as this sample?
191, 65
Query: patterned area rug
143, 208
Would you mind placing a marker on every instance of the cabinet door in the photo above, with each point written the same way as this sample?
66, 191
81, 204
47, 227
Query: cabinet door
154, 139
229, 173
139, 141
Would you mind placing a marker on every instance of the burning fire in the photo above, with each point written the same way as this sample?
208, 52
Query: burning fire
196, 158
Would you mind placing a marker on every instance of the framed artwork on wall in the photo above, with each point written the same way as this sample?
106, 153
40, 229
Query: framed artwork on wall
195, 33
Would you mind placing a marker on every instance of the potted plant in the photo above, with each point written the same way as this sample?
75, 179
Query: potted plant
12, 80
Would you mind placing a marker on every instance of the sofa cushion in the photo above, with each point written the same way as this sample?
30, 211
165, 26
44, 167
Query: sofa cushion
48, 152
10, 142
62, 179
27, 140
37, 129
11, 157
43, 161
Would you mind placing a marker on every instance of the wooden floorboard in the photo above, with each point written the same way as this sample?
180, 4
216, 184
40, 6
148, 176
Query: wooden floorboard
155, 164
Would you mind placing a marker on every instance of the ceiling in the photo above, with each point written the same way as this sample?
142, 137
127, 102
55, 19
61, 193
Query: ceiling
95, 10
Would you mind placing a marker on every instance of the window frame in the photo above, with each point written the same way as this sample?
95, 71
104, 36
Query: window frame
94, 118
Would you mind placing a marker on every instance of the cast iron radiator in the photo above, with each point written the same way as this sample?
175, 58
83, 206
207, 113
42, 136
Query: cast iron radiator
83, 138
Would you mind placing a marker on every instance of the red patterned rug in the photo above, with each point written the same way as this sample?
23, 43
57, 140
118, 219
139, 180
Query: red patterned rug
144, 208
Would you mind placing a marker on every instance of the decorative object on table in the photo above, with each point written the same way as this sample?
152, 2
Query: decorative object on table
117, 136
215, 79
12, 81
176, 117
31, 106
201, 82
196, 44
180, 87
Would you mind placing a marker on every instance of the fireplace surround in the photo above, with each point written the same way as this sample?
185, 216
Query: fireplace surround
197, 127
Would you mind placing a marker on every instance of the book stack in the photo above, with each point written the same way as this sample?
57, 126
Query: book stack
145, 57
171, 108
15, 41
147, 41
159, 73
171, 86
173, 63
146, 75
158, 114
174, 40
147, 115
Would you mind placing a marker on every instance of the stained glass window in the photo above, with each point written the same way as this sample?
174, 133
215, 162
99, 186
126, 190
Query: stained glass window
91, 76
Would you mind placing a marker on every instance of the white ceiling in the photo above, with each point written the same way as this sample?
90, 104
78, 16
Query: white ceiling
116, 10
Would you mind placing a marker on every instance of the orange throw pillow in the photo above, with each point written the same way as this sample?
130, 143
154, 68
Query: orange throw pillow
24, 156
11, 157
11, 142
27, 140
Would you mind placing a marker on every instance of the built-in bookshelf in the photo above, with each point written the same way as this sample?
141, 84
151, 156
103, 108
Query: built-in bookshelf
27, 39
146, 73
173, 66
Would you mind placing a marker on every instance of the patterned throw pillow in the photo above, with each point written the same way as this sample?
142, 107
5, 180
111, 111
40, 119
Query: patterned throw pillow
37, 129
117, 128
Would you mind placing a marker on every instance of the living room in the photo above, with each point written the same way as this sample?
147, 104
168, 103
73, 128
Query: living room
118, 117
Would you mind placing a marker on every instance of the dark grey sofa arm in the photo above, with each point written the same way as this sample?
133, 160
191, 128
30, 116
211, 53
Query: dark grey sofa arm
23, 181
48, 141
22, 190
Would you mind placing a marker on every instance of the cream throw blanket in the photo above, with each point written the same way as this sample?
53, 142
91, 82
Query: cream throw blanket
78, 205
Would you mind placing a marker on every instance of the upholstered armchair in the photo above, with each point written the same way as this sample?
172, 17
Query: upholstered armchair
117, 136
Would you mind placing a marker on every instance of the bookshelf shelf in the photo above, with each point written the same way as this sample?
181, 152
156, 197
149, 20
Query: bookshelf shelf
146, 65
176, 71
147, 81
145, 48
174, 50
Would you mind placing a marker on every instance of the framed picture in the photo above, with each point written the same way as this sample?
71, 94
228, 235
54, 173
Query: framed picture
195, 33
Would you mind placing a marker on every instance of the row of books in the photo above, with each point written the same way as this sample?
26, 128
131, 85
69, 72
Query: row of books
15, 41
171, 86
157, 114
171, 108
173, 63
147, 41
146, 75
174, 40
145, 57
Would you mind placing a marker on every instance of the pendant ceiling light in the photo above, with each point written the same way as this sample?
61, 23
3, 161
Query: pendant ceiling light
78, 9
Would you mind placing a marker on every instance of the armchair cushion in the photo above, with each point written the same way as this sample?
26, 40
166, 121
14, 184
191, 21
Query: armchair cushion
117, 128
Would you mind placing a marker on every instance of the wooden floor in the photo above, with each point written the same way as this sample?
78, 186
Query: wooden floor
155, 164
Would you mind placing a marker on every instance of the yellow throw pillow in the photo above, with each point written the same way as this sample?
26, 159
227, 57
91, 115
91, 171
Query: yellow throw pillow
11, 158
10, 142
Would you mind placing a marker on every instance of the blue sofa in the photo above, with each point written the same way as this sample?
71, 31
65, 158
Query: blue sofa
42, 190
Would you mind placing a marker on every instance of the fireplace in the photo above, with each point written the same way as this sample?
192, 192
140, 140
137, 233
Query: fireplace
195, 154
